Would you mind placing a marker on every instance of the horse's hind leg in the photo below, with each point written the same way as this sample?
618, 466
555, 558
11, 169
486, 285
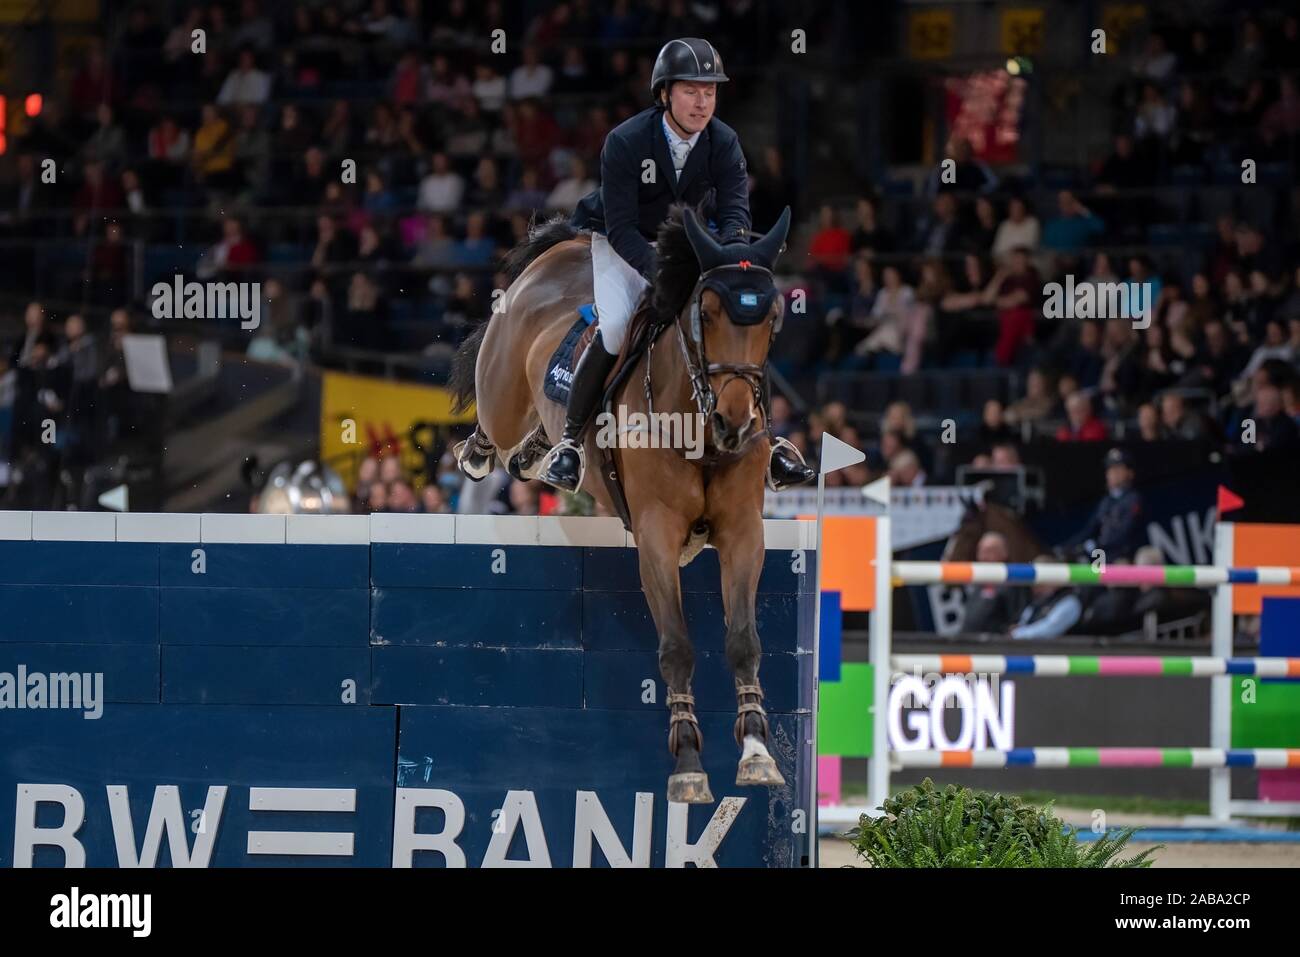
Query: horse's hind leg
476, 456
660, 534
526, 460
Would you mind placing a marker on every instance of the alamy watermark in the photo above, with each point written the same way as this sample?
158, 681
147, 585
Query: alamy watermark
179, 299
651, 430
1100, 300
36, 690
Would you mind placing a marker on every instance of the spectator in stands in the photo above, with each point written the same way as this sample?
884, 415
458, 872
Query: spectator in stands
477, 248
985, 229
334, 246
235, 254
34, 323
891, 316
991, 608
437, 248
1156, 117
1123, 168
1274, 428
869, 235
442, 189
107, 144
1081, 424
489, 88
965, 173
213, 157
99, 192
1276, 345
1005, 455
1121, 372
1117, 526
133, 194
246, 83
572, 188
1085, 360
252, 152
1016, 290
1148, 422
1052, 611
1074, 227
1039, 399
445, 88
1177, 421
532, 78
535, 132
993, 424
941, 232
1291, 398
829, 248
528, 195
905, 470
1019, 230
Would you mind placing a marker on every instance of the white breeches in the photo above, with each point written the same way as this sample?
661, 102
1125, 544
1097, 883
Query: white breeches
618, 290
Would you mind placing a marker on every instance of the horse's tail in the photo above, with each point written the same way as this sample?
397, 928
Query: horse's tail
541, 237
463, 367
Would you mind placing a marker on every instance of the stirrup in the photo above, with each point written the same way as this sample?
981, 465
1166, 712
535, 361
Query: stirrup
554, 453
780, 444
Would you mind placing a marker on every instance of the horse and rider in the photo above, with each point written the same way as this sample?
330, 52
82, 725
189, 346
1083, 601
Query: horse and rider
685, 316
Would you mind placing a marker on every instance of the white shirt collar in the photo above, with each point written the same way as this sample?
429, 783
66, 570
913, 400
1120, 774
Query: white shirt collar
672, 134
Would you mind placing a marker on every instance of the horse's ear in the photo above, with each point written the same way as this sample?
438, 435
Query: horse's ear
707, 250
768, 248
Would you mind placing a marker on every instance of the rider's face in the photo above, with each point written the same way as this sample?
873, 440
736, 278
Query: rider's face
693, 104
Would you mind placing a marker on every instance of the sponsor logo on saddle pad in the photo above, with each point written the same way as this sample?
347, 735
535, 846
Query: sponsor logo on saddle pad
654, 430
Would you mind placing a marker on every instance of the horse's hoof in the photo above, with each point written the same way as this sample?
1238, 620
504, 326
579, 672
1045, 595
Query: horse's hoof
759, 771
691, 787
473, 466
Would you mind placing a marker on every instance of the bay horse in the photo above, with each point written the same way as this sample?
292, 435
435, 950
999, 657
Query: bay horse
714, 311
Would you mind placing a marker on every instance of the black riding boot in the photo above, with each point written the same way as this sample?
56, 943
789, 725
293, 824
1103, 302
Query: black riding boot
564, 464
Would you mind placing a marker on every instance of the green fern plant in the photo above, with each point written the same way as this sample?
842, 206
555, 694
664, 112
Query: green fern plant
957, 827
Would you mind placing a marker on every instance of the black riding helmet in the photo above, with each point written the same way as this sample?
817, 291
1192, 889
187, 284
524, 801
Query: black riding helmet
689, 58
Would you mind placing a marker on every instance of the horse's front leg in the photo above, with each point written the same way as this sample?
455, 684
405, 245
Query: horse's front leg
660, 532
738, 538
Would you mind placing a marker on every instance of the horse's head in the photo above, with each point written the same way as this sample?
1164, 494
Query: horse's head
727, 327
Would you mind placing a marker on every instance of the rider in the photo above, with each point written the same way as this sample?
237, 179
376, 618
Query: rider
687, 155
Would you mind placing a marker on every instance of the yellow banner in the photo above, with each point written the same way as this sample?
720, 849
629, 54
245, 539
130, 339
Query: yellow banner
1118, 20
359, 412
1022, 31
929, 34
60, 11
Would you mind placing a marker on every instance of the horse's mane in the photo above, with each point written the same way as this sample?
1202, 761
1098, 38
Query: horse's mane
678, 270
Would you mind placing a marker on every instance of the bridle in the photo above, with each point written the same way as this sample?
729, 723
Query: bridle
691, 339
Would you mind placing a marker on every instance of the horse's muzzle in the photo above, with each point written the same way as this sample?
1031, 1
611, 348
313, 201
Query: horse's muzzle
726, 437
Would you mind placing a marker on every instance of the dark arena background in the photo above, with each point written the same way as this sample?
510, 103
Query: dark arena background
1039, 335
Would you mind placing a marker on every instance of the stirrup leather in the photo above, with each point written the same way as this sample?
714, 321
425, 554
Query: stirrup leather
744, 707
685, 715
